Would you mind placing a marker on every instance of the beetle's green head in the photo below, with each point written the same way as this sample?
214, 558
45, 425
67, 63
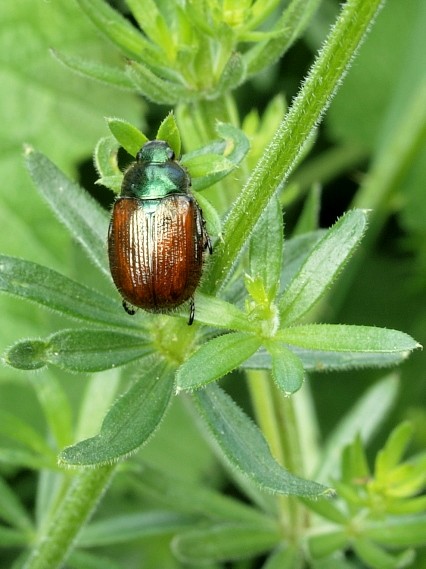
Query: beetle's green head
155, 151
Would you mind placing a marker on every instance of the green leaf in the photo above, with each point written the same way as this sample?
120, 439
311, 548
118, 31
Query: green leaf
210, 214
154, 87
286, 557
56, 407
94, 70
377, 558
327, 543
233, 74
287, 368
151, 21
15, 457
291, 24
214, 359
354, 463
126, 528
233, 146
390, 455
11, 509
169, 132
17, 430
115, 27
207, 167
54, 291
172, 492
365, 418
297, 250
127, 135
309, 218
328, 509
223, 542
376, 344
79, 559
130, 422
213, 311
398, 531
81, 350
13, 538
105, 157
78, 211
266, 248
244, 448
322, 266
112, 182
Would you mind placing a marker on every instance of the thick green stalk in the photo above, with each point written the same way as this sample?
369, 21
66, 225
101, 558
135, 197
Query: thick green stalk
276, 417
54, 544
304, 115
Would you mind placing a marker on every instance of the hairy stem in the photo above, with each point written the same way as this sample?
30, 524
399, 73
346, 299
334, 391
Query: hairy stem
304, 115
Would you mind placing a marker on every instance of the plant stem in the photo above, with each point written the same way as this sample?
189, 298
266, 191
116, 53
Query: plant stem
55, 543
305, 113
277, 419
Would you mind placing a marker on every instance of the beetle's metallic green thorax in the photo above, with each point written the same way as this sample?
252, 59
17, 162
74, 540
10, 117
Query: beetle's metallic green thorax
155, 174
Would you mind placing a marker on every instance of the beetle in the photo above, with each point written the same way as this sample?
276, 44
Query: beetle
157, 234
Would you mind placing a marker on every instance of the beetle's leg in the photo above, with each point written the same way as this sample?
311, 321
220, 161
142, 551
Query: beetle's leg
191, 311
129, 308
206, 236
208, 244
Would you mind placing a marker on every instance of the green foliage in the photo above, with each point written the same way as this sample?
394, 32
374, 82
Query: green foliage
148, 416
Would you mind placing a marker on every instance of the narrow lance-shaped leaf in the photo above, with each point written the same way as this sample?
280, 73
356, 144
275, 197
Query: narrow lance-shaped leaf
105, 157
11, 509
210, 214
213, 311
375, 556
291, 24
131, 420
127, 135
16, 429
171, 492
297, 250
242, 445
83, 217
399, 531
56, 292
322, 266
309, 218
365, 417
169, 132
287, 368
224, 542
266, 248
94, 70
285, 557
80, 350
154, 87
233, 74
125, 528
117, 28
390, 455
214, 359
376, 343
233, 146
151, 21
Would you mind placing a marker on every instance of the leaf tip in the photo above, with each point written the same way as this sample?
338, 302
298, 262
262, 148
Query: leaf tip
28, 149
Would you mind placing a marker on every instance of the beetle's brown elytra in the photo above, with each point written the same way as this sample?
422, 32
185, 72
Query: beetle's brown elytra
157, 234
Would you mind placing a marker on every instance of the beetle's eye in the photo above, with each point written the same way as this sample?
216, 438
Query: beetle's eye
172, 155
